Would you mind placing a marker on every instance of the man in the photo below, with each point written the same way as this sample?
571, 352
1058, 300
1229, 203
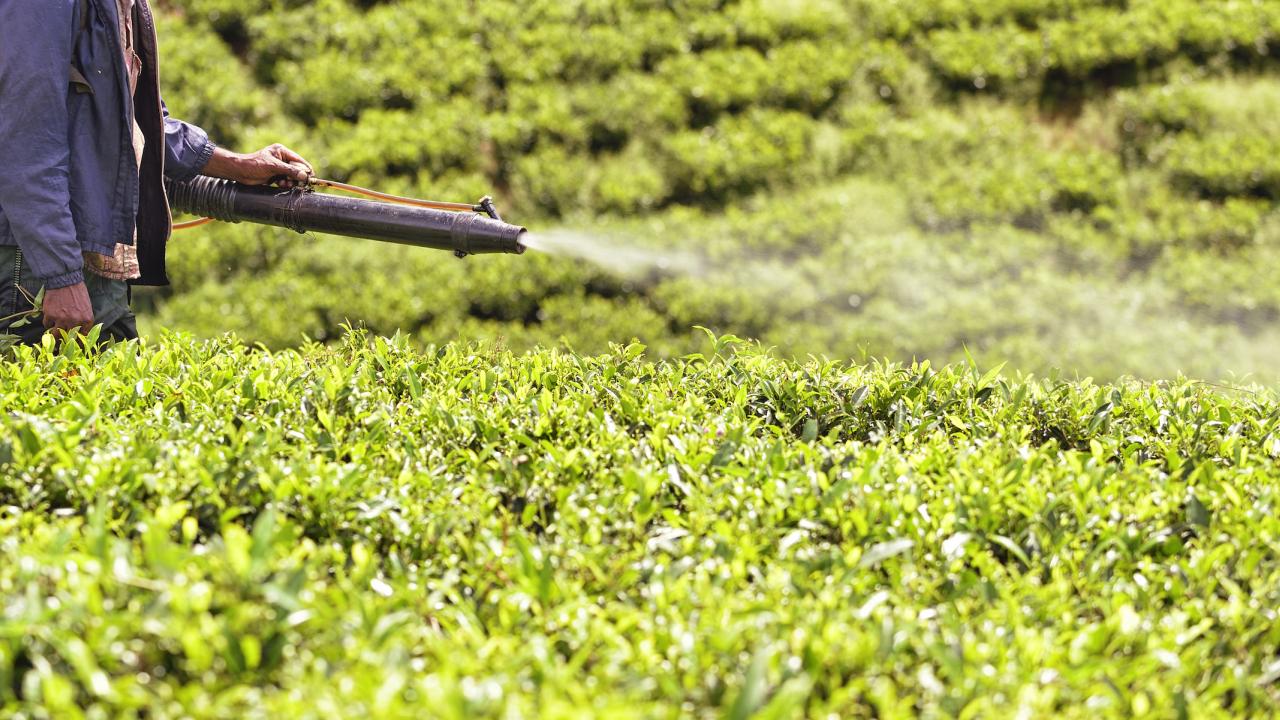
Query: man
85, 144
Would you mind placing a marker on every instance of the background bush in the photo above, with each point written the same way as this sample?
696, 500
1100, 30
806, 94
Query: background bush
1135, 141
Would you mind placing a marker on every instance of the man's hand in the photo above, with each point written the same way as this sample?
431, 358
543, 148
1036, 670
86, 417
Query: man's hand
67, 309
275, 163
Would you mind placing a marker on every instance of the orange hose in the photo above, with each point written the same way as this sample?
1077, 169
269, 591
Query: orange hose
192, 224
430, 204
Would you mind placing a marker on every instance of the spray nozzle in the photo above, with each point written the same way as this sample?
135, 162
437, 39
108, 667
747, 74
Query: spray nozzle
487, 207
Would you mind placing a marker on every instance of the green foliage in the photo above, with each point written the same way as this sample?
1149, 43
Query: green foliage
1000, 55
1226, 167
386, 523
196, 529
206, 80
740, 154
843, 271
838, 172
482, 88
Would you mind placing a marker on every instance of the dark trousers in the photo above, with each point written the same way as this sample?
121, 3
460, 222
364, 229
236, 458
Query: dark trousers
18, 288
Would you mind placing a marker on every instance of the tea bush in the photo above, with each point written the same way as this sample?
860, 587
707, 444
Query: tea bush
500, 81
1227, 167
1128, 136
196, 529
842, 270
393, 522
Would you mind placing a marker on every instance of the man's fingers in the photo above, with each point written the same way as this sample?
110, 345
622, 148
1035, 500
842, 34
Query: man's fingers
303, 170
63, 330
289, 170
290, 156
62, 325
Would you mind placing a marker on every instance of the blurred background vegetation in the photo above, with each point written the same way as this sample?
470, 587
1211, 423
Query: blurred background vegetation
1088, 185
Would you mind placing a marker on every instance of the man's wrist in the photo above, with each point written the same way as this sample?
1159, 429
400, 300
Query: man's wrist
206, 156
222, 162
57, 282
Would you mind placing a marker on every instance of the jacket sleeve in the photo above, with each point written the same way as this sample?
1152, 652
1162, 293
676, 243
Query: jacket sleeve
187, 147
35, 152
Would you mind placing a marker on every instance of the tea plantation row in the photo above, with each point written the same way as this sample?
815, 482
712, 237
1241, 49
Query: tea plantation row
621, 106
1079, 184
197, 530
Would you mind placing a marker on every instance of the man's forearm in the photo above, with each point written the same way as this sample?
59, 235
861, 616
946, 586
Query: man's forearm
275, 163
224, 164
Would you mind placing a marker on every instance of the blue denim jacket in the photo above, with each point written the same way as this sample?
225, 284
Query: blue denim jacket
69, 181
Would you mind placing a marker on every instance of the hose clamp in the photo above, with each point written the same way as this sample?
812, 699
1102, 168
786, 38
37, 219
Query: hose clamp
289, 214
460, 233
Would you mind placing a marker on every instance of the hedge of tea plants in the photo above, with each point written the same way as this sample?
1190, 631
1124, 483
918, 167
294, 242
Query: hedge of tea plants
1084, 184
197, 529
300, 520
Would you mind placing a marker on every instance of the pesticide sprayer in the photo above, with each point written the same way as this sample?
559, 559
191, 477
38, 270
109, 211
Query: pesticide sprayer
461, 228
